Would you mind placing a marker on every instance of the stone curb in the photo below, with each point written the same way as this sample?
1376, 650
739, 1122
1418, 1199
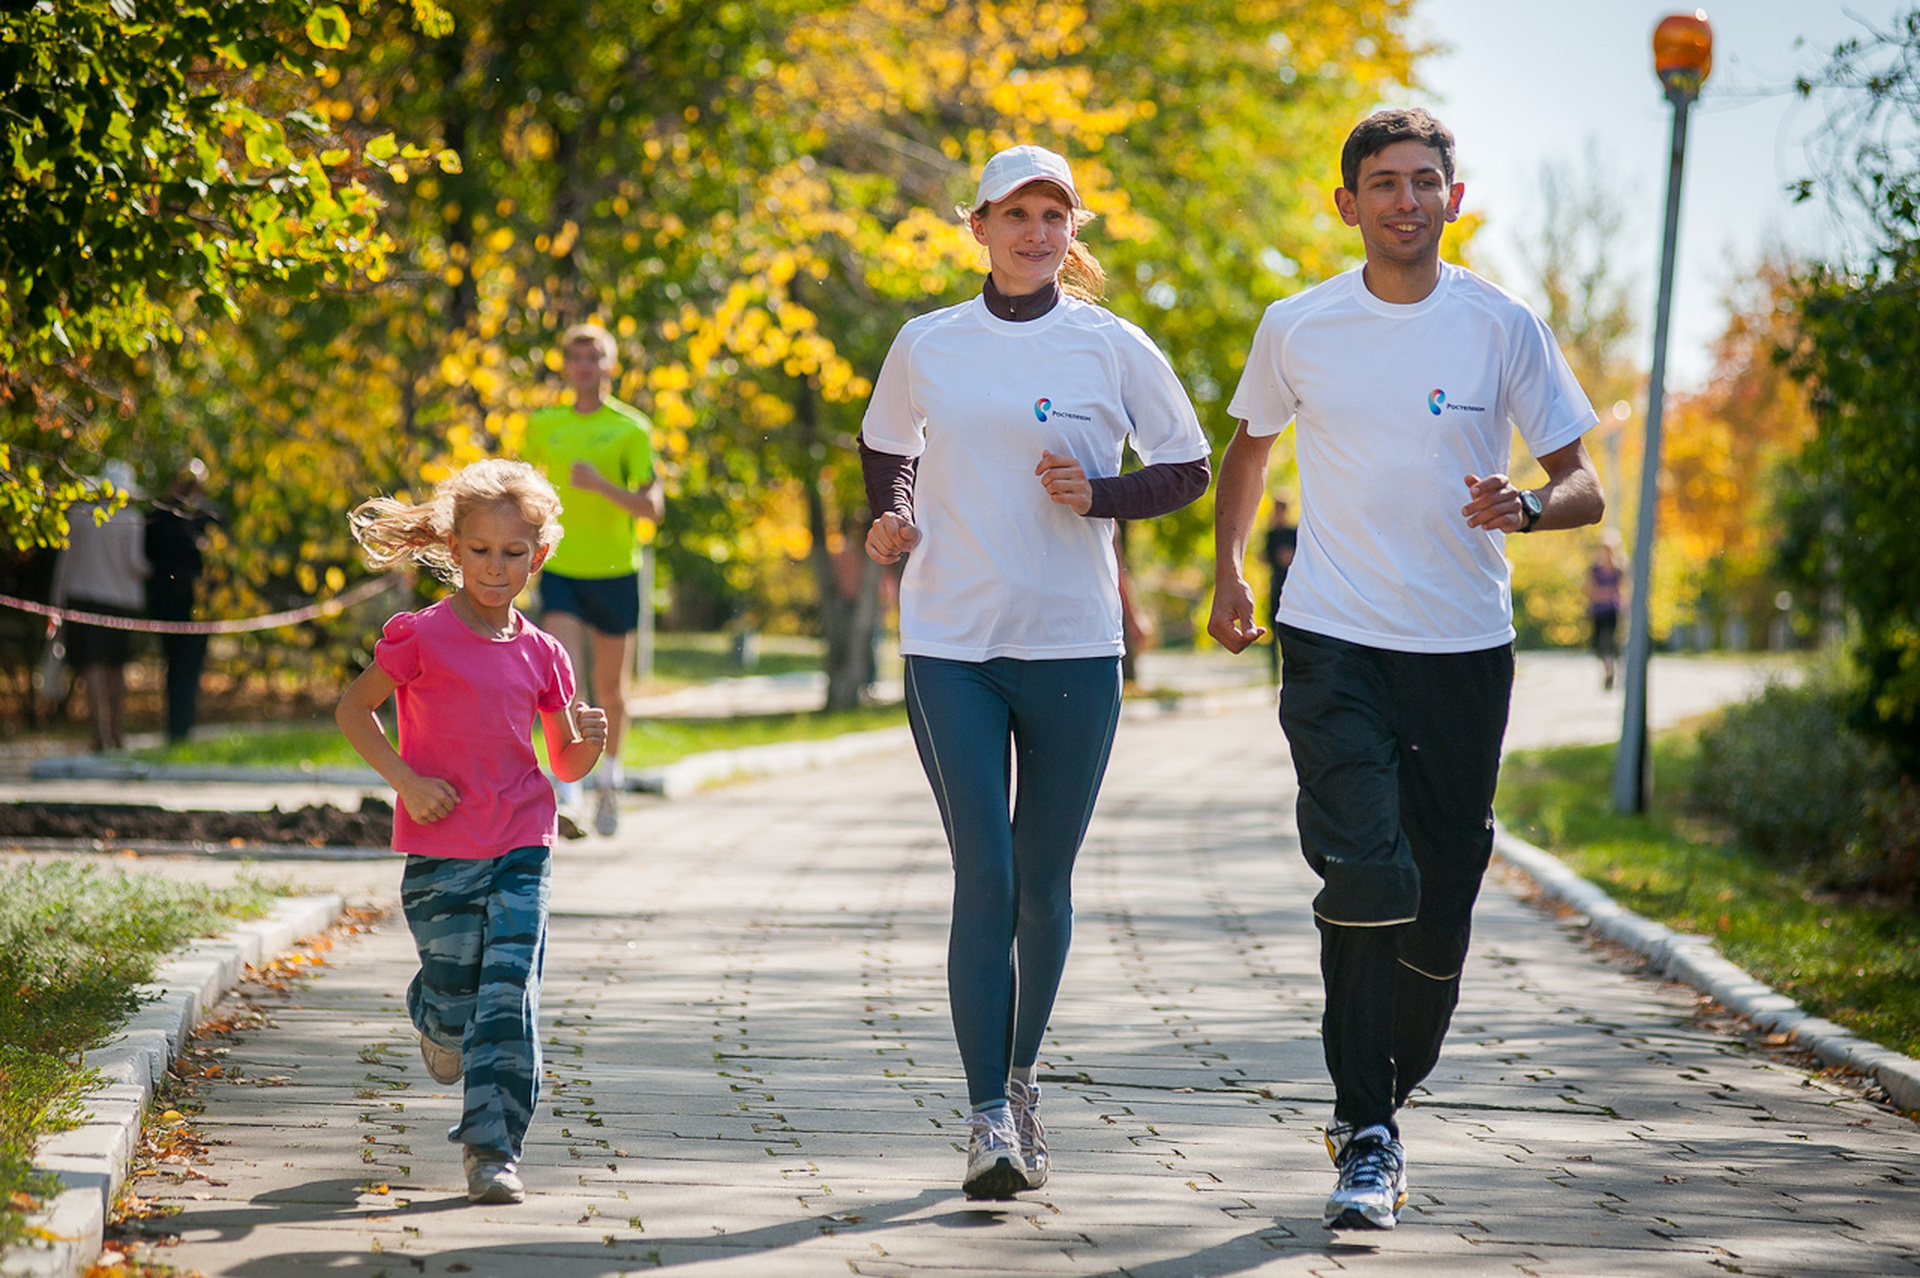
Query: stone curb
1692, 960
88, 767
91, 1159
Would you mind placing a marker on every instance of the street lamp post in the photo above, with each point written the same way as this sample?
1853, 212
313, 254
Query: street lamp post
1682, 55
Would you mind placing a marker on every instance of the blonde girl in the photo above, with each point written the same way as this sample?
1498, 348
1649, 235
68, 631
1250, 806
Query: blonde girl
476, 819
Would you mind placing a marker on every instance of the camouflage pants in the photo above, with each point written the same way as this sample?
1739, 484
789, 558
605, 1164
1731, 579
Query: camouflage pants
481, 929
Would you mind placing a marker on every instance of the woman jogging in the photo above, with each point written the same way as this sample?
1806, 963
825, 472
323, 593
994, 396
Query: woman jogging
992, 450
1606, 581
476, 817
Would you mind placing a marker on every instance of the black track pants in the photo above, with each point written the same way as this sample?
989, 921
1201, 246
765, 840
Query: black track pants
1397, 755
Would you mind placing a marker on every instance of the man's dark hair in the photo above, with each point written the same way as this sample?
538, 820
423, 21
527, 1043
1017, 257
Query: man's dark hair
1382, 129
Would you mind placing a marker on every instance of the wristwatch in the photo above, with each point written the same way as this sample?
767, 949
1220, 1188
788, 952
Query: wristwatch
1529, 510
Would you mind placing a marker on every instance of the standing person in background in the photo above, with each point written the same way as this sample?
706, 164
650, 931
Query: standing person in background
1404, 381
176, 527
104, 570
992, 449
1277, 548
470, 677
598, 453
1606, 583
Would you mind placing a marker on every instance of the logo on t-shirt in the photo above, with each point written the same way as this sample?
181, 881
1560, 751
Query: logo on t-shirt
1043, 408
1437, 403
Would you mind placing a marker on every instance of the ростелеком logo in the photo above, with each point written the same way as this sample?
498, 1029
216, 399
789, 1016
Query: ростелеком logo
1041, 405
1436, 400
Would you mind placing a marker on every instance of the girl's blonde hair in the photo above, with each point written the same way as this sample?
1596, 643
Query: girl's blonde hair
1081, 275
392, 531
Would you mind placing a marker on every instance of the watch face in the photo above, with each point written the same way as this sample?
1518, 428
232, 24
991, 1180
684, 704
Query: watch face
1530, 504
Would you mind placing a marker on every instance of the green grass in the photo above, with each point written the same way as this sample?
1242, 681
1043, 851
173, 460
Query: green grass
1856, 962
649, 742
75, 943
679, 660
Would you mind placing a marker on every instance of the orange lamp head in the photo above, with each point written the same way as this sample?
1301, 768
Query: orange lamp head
1683, 50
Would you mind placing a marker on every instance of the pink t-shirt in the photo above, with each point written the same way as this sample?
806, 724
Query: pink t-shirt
468, 707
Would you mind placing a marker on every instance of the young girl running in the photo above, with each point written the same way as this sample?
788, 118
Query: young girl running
476, 818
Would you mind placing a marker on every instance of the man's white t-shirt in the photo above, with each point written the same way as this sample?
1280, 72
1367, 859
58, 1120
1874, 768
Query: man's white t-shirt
1001, 570
1393, 406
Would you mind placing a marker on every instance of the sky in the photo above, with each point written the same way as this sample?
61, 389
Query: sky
1526, 81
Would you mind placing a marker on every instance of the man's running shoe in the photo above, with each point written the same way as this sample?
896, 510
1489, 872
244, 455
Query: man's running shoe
1373, 1182
1024, 1100
1338, 1134
994, 1167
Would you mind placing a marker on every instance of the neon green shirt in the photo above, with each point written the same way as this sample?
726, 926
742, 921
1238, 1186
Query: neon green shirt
600, 539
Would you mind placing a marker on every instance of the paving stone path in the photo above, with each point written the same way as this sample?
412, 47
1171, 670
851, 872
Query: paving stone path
751, 1072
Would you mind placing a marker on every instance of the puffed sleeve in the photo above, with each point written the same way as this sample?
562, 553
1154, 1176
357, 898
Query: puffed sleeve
398, 651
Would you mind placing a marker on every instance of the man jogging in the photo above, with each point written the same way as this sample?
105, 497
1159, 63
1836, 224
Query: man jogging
1404, 381
598, 454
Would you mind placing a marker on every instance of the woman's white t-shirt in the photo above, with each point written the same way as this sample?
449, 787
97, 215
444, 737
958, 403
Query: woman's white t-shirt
1001, 570
1393, 406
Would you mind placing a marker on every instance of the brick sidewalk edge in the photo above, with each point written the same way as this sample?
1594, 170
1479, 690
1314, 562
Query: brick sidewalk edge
1693, 961
91, 1159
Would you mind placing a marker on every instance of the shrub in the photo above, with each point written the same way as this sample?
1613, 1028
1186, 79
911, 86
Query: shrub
1794, 781
1887, 860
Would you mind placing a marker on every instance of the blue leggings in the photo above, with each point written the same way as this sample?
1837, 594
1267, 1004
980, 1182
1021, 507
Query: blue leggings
984, 728
481, 929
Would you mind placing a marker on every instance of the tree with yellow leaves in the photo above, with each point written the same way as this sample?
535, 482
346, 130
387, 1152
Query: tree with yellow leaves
1725, 448
753, 197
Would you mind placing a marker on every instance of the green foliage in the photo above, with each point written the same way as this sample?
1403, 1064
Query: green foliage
1854, 960
1788, 775
75, 945
156, 161
754, 197
1854, 510
1785, 773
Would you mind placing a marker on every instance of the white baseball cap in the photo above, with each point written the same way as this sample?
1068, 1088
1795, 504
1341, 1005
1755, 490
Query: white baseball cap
1016, 166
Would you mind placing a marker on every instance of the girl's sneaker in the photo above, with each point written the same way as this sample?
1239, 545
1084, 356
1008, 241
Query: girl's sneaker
444, 1064
606, 813
1024, 1100
491, 1178
995, 1169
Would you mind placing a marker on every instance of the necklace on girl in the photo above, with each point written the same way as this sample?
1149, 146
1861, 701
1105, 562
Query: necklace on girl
473, 618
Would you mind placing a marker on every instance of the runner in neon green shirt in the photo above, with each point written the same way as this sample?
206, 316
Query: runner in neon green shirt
598, 454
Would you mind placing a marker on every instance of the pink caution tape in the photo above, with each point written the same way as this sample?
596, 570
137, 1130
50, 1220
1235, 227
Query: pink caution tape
273, 620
